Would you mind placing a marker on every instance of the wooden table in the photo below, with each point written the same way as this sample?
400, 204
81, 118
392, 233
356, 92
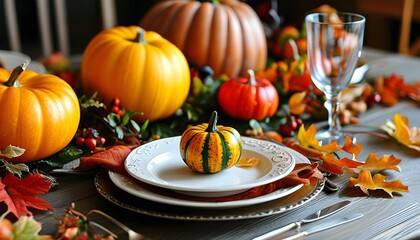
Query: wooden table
80, 189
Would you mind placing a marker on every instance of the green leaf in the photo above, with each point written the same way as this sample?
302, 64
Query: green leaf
12, 151
112, 119
127, 117
58, 160
26, 228
135, 125
144, 127
254, 124
120, 132
16, 169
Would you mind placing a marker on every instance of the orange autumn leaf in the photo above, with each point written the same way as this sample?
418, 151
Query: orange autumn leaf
297, 103
306, 151
307, 138
399, 129
112, 159
366, 183
351, 148
336, 166
373, 163
19, 194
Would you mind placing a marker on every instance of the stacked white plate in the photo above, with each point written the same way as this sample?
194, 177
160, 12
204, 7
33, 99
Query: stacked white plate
158, 164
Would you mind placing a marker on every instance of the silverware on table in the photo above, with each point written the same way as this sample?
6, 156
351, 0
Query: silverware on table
325, 212
327, 225
132, 235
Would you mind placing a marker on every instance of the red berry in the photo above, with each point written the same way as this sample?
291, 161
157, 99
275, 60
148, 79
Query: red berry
102, 140
373, 99
90, 143
80, 142
115, 109
115, 102
120, 113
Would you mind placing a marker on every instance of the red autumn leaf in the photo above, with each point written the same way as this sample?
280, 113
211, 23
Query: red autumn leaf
18, 194
112, 159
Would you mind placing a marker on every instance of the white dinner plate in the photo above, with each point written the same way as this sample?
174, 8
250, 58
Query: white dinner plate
159, 163
130, 186
12, 59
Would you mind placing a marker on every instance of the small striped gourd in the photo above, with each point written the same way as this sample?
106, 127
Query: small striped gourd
210, 148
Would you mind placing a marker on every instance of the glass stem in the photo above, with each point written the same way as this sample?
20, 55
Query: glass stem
332, 104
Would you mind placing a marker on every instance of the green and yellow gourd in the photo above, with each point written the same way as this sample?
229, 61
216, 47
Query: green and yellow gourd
210, 148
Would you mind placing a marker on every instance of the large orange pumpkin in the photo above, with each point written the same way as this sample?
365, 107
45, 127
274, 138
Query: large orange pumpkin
39, 112
226, 35
145, 71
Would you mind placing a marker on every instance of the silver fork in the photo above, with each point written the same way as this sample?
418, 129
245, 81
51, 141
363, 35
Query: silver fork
132, 235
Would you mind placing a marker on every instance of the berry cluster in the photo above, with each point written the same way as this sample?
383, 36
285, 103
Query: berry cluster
89, 139
116, 107
290, 126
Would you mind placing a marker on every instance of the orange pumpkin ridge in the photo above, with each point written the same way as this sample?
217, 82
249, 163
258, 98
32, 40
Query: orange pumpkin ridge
226, 35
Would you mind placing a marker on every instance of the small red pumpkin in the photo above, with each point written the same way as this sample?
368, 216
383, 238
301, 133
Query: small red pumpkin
248, 98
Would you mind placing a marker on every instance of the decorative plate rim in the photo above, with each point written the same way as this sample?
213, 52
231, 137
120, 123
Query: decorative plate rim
140, 159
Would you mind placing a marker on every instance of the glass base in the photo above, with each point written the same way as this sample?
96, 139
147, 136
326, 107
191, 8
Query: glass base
326, 137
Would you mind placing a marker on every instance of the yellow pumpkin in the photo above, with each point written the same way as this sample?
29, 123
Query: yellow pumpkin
226, 35
145, 71
39, 112
210, 148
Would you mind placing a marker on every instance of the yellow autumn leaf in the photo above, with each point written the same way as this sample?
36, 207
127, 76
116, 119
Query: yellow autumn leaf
366, 183
247, 162
307, 138
399, 129
297, 103
373, 163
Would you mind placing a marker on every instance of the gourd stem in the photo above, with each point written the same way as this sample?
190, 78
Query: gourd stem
252, 77
12, 81
140, 36
212, 123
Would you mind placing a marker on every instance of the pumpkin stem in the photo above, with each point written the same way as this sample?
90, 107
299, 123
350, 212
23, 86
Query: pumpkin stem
140, 36
252, 80
13, 78
212, 127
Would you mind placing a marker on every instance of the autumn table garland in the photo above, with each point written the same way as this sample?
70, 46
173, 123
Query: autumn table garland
111, 126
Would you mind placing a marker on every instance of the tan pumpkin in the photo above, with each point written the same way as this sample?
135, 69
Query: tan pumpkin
226, 35
145, 71
39, 113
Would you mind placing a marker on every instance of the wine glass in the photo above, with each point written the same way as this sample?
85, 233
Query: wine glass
334, 45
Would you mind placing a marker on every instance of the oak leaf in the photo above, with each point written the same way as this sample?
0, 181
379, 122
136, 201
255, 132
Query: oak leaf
351, 148
366, 183
18, 194
399, 129
384, 162
336, 166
